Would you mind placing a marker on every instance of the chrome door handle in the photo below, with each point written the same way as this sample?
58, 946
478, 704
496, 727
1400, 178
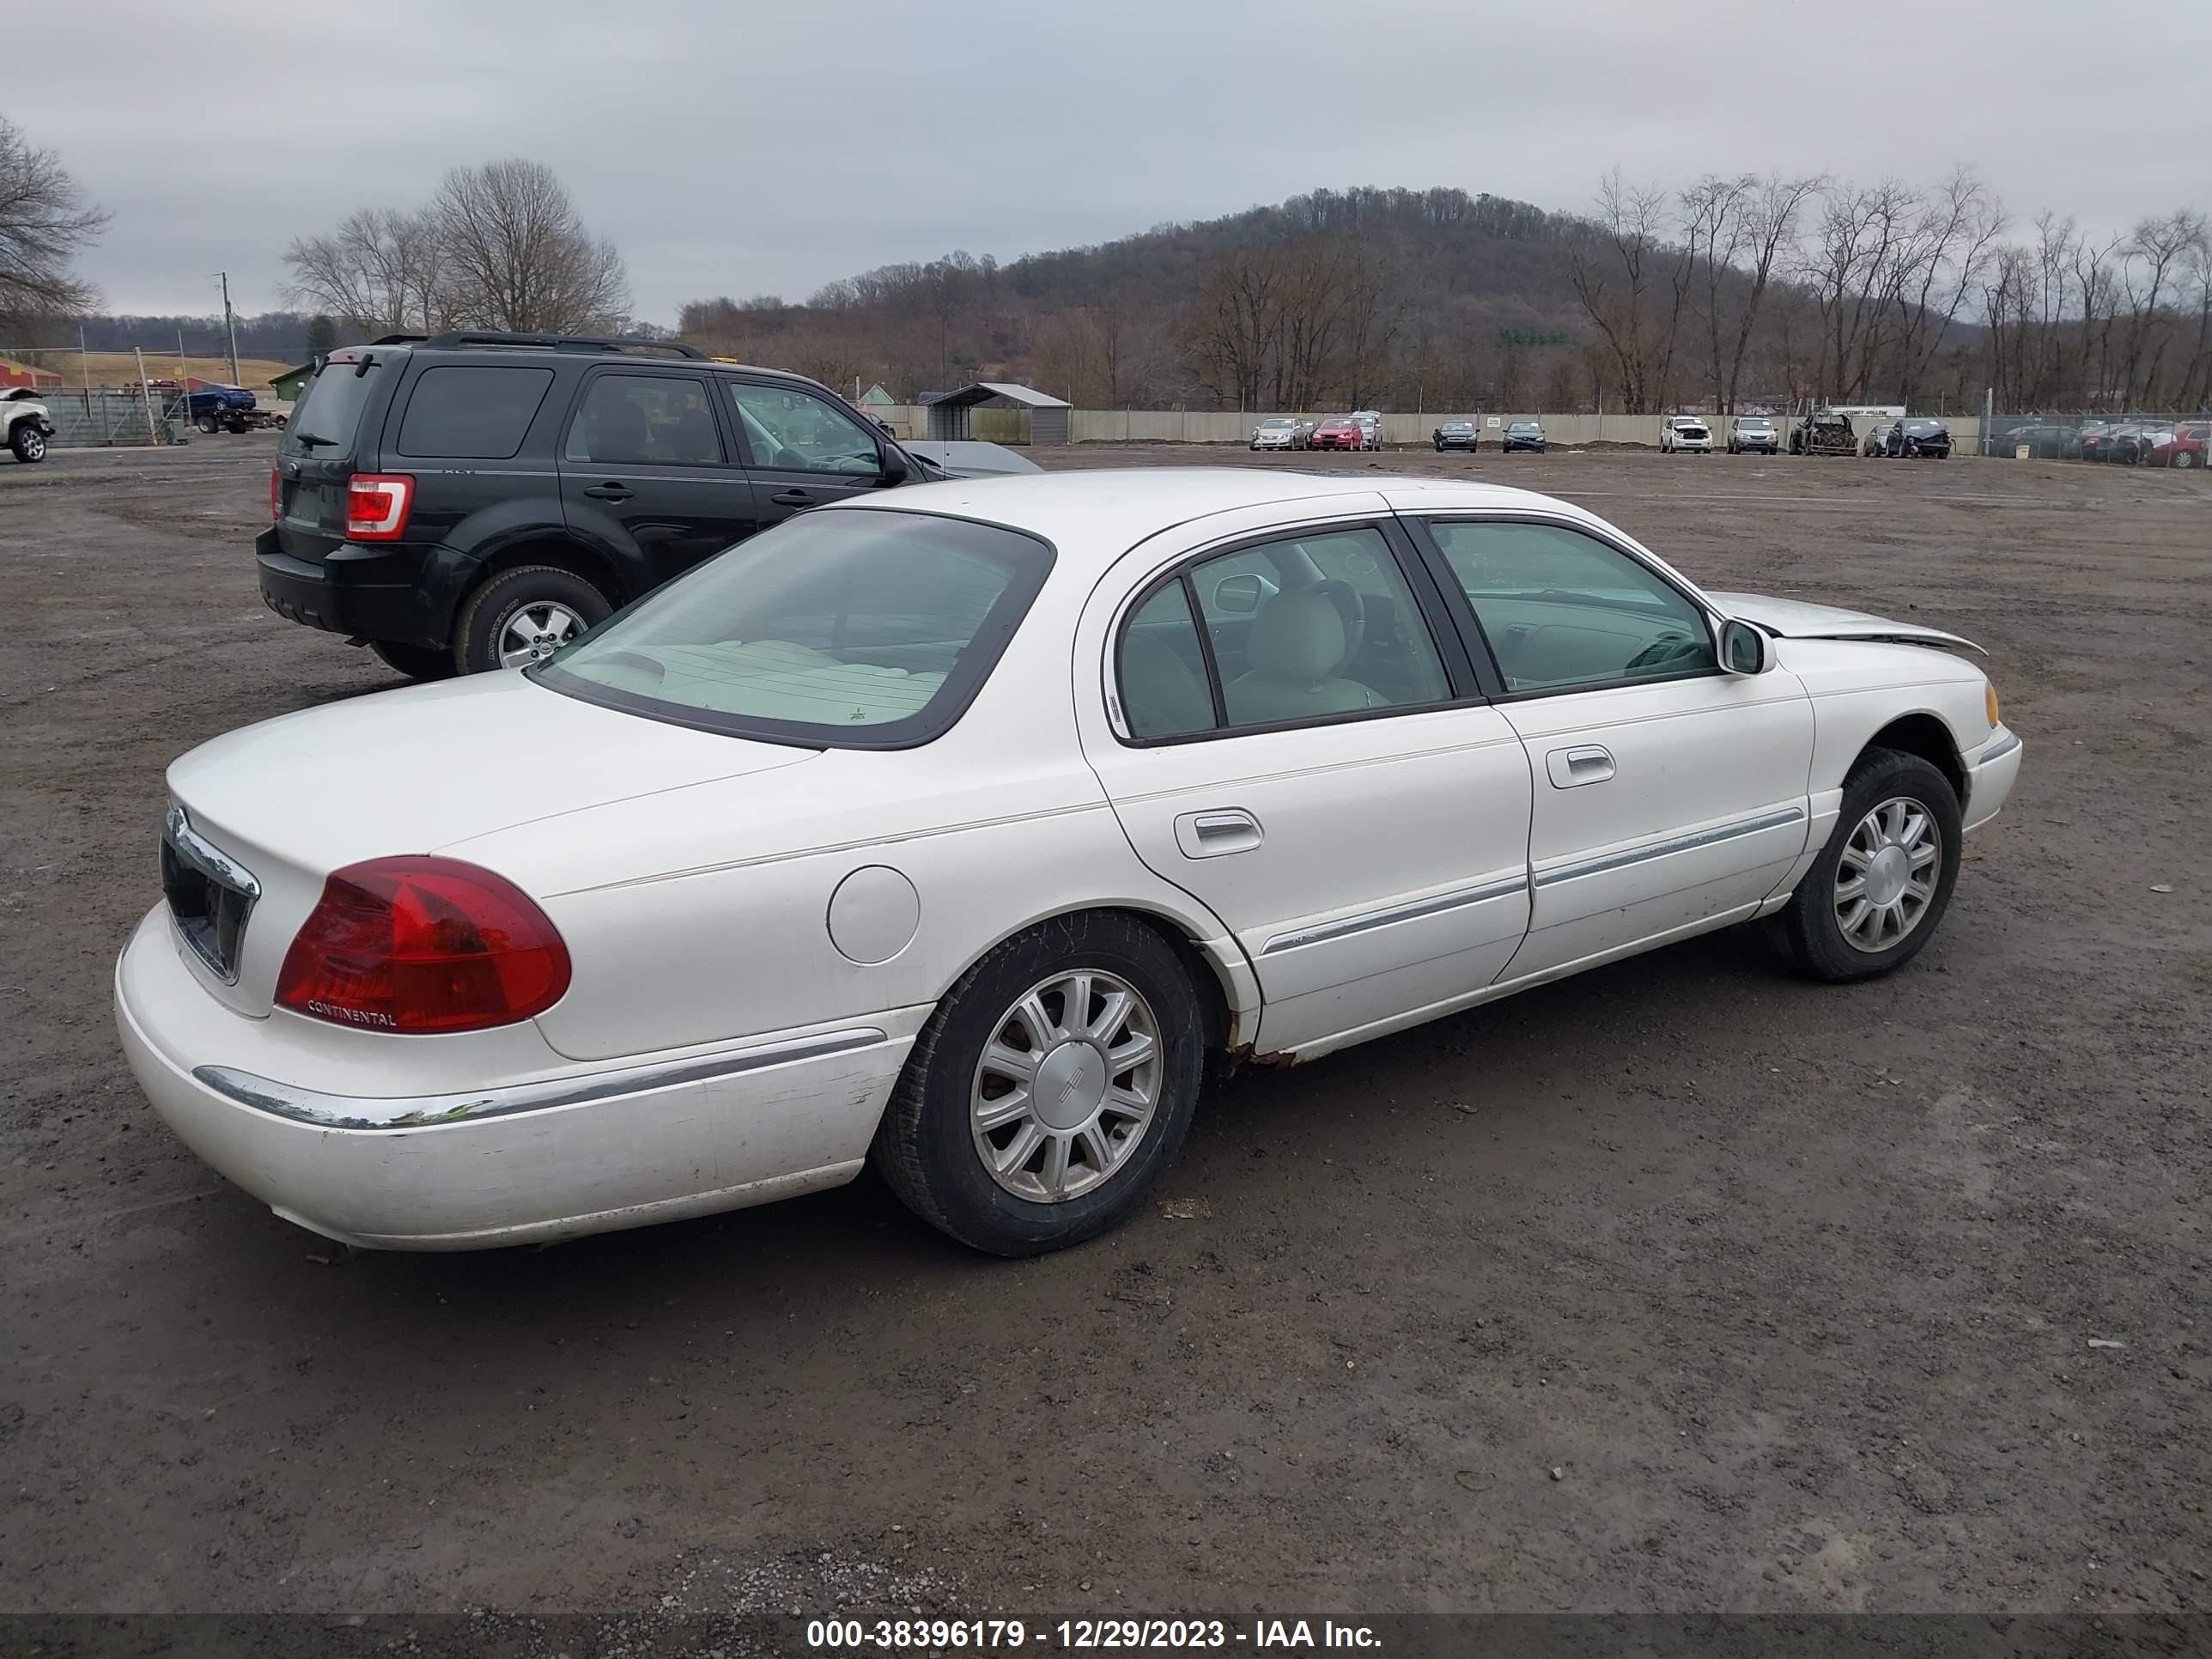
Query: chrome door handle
1572, 768
1210, 835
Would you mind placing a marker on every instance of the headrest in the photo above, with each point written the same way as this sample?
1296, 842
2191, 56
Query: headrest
1296, 635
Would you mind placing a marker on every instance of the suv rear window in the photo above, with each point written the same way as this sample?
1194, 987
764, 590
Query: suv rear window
471, 413
869, 629
323, 422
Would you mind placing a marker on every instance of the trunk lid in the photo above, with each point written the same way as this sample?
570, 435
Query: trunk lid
411, 770
1796, 619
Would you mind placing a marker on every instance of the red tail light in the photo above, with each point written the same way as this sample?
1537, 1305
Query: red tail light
376, 506
276, 497
420, 945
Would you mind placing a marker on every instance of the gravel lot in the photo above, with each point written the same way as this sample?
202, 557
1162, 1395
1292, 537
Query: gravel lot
1684, 1285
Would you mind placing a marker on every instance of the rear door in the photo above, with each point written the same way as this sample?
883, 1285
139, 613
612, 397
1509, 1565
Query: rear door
1289, 737
803, 449
320, 448
647, 475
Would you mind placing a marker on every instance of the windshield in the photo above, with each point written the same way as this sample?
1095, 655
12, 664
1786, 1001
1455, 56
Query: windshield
1525, 426
323, 421
863, 629
1279, 420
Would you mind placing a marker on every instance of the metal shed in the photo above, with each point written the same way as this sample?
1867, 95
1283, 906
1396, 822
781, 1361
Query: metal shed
1036, 417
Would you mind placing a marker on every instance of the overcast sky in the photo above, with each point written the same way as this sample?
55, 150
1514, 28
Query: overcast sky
736, 147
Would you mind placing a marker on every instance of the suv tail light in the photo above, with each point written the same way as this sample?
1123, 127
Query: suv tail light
376, 506
276, 497
422, 945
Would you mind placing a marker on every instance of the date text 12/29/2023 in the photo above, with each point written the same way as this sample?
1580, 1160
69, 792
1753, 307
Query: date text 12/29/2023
1075, 1635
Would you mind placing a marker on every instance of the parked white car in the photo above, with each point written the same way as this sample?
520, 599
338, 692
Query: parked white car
1370, 421
956, 826
1685, 433
26, 426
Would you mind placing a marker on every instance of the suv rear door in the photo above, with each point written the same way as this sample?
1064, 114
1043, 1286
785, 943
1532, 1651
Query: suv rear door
647, 473
804, 449
319, 453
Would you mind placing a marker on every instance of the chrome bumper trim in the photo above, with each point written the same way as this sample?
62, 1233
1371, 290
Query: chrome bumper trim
2003, 747
1360, 924
1662, 849
324, 1111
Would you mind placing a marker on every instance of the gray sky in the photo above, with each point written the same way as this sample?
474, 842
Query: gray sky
736, 148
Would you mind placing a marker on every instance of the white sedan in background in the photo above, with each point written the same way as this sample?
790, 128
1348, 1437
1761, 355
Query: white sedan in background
955, 827
1685, 433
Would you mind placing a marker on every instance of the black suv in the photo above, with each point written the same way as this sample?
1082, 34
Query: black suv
466, 502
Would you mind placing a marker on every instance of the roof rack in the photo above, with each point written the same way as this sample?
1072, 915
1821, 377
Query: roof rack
546, 342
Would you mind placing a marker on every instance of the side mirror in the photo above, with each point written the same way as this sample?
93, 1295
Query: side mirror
1238, 596
1745, 649
895, 468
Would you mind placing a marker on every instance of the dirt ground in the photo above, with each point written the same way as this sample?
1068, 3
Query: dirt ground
1684, 1285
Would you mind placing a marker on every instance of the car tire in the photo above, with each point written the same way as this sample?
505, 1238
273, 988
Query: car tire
2182, 458
206, 424
1812, 927
27, 443
929, 1147
486, 618
417, 662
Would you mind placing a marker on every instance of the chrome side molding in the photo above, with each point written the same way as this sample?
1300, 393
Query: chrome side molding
327, 1111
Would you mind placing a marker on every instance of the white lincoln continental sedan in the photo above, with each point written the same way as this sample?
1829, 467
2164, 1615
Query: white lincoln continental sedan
956, 827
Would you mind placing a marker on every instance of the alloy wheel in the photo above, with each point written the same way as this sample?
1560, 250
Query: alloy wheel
536, 631
1067, 1086
1886, 878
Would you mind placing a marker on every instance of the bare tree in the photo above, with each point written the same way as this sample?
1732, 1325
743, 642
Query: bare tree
1234, 322
1714, 227
1940, 258
2151, 259
382, 271
516, 256
1770, 218
45, 221
1612, 272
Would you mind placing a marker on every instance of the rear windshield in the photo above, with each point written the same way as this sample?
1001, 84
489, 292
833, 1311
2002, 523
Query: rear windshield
324, 420
867, 628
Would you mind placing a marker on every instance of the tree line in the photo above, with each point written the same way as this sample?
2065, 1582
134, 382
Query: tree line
1734, 288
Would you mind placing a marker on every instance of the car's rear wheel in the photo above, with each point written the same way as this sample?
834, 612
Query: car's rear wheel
523, 615
28, 443
417, 662
1049, 1091
2182, 457
207, 425
1873, 898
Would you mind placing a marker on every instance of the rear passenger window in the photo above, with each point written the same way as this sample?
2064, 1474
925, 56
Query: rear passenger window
472, 414
645, 420
1163, 684
1310, 629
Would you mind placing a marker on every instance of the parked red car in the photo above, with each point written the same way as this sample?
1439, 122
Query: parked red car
1343, 433
2185, 447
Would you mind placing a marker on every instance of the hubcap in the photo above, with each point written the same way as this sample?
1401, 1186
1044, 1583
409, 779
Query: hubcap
535, 632
1066, 1087
1886, 879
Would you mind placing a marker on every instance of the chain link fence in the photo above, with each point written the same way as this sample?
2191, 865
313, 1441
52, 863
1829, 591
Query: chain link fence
2133, 440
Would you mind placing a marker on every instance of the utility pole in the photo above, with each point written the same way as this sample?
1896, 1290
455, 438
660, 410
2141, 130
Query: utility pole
230, 324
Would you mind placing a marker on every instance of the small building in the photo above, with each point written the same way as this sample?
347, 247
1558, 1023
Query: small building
13, 374
875, 400
292, 382
1010, 414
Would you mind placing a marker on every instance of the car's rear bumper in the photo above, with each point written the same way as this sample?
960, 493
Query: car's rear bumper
588, 1150
1991, 771
406, 594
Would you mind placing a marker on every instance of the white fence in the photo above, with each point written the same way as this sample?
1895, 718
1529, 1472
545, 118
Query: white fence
1177, 426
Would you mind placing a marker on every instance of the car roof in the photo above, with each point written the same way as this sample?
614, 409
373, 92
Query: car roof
1095, 517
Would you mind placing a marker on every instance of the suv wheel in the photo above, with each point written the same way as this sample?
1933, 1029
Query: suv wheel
417, 662
29, 443
523, 615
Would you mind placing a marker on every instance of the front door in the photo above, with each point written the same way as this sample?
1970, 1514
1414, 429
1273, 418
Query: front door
1670, 796
805, 451
647, 478
1296, 749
